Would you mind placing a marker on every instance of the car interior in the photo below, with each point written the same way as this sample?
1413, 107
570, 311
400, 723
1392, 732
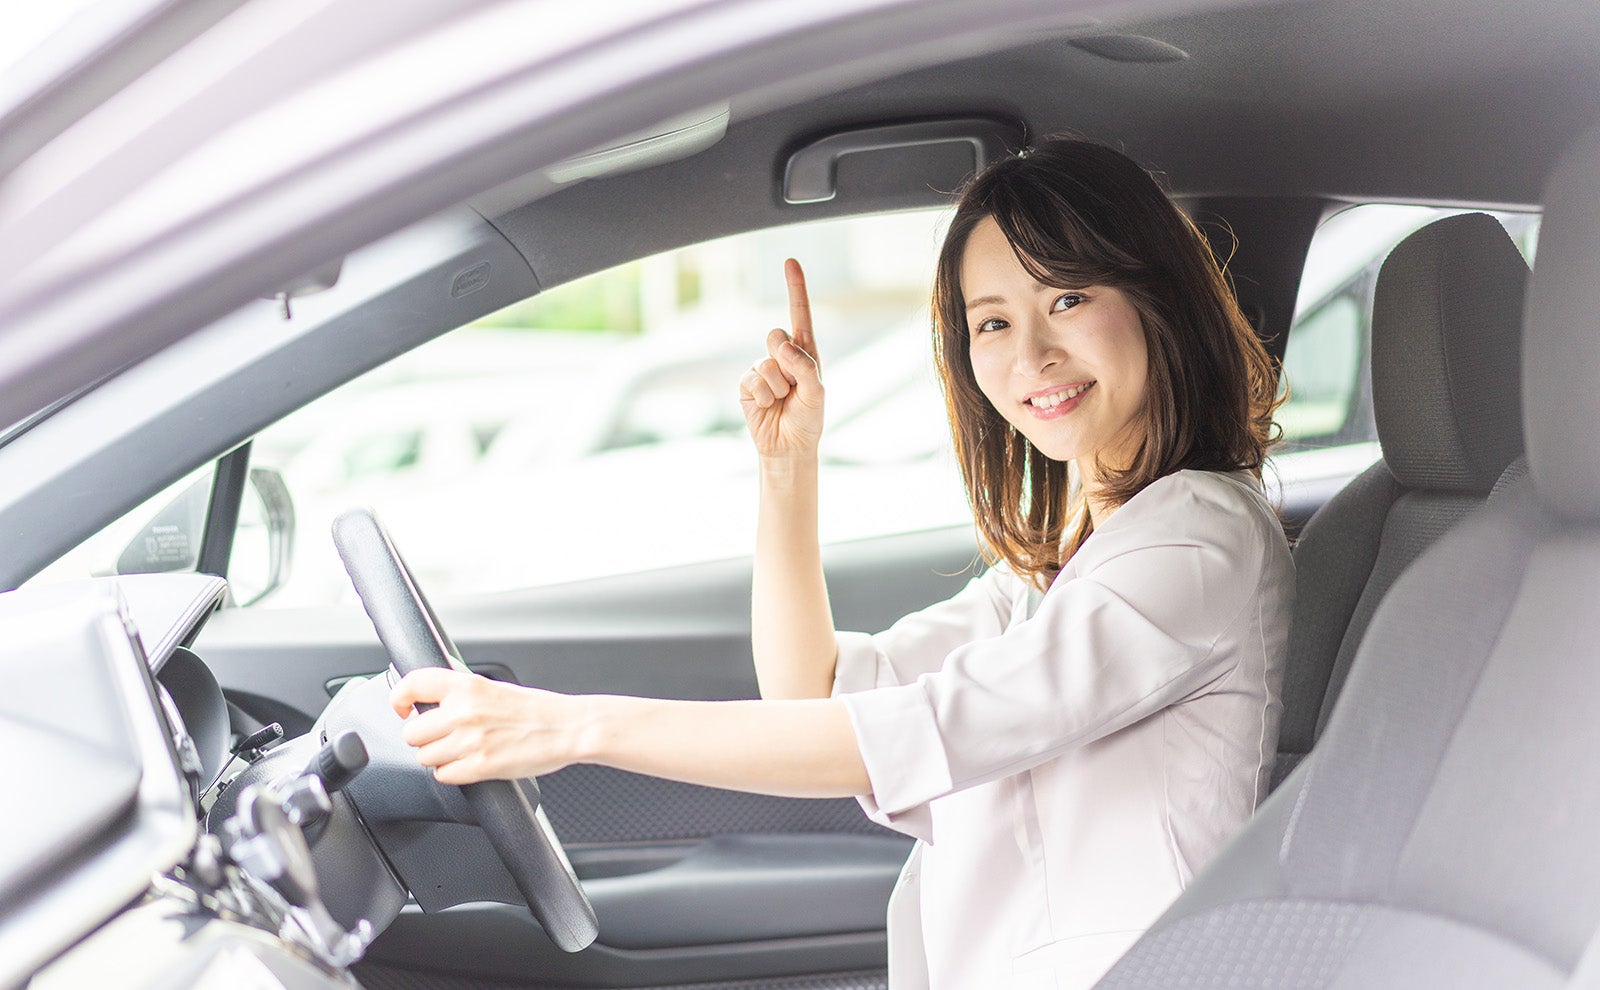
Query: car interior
1434, 758
1429, 821
1446, 329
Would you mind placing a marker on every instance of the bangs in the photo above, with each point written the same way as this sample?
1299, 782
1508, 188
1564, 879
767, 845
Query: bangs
1053, 242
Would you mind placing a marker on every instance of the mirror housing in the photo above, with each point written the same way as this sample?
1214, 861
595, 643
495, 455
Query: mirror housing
264, 538
259, 562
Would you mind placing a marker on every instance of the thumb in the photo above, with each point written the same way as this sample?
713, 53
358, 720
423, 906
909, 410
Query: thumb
801, 367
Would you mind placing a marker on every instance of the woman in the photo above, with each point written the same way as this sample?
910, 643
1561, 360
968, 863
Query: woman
1074, 734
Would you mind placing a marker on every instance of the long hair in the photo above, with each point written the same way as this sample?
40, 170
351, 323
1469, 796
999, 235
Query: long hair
1079, 214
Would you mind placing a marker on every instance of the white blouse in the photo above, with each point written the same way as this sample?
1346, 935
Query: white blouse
1067, 770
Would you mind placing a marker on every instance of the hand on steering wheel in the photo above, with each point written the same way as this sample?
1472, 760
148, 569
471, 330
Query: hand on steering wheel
507, 810
481, 729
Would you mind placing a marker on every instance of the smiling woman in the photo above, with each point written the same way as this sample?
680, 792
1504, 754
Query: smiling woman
1083, 319
1069, 757
1021, 729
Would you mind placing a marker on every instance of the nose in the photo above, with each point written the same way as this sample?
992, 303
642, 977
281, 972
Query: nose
1038, 350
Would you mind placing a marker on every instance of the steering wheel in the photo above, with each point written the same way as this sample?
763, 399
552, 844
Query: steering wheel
508, 810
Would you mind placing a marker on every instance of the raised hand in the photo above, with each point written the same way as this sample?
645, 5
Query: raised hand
781, 395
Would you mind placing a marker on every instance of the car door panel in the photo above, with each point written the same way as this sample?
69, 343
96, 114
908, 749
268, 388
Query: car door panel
717, 890
505, 947
725, 889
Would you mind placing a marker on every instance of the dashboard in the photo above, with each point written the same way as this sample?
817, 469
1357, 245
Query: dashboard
106, 874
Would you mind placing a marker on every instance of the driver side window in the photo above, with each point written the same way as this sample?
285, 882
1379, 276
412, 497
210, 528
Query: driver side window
614, 440
594, 430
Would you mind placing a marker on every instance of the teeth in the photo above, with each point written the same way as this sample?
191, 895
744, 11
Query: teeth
1056, 398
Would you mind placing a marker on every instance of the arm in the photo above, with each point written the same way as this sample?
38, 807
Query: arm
486, 729
791, 624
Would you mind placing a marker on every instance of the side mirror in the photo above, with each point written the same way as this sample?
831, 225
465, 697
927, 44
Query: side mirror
259, 562
262, 543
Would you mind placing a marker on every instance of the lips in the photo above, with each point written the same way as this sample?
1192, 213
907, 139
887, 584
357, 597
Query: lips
1055, 403
1050, 398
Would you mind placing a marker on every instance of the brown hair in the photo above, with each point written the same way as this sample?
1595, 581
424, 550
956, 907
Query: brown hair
1079, 214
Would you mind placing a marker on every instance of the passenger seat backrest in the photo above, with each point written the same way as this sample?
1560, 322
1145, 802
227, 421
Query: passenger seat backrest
1442, 834
1447, 399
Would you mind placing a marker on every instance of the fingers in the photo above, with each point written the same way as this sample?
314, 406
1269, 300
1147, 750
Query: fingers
754, 391
435, 733
799, 307
459, 773
454, 739
799, 368
778, 344
766, 382
427, 727
454, 764
791, 362
445, 748
427, 686
753, 387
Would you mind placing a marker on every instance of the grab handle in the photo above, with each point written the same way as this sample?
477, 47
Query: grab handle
810, 174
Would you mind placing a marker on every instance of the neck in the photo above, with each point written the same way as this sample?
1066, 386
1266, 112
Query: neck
1091, 477
1099, 511
1092, 488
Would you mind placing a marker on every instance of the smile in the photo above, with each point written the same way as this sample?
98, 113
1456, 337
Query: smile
1049, 400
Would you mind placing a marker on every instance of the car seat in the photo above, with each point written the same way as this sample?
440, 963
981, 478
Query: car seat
1447, 316
1442, 833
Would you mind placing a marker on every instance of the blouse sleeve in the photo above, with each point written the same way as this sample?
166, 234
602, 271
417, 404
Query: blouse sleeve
920, 642
1134, 634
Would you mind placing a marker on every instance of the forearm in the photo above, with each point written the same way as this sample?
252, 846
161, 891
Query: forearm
791, 624
786, 748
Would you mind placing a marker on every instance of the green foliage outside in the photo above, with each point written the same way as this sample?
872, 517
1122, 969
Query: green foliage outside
606, 301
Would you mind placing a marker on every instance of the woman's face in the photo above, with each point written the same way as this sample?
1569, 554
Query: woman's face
1066, 367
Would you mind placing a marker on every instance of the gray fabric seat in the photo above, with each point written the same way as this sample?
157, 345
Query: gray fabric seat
1447, 400
1442, 833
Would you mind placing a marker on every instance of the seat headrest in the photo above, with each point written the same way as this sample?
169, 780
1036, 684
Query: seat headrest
1561, 352
1446, 355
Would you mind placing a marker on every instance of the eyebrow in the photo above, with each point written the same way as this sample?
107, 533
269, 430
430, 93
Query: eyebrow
986, 300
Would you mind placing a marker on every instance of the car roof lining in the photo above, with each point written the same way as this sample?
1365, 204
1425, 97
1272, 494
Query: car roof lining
1244, 115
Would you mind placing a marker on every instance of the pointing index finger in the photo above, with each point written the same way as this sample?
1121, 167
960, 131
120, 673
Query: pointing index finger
800, 308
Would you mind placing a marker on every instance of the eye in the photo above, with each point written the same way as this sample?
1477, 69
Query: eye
992, 323
1066, 301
